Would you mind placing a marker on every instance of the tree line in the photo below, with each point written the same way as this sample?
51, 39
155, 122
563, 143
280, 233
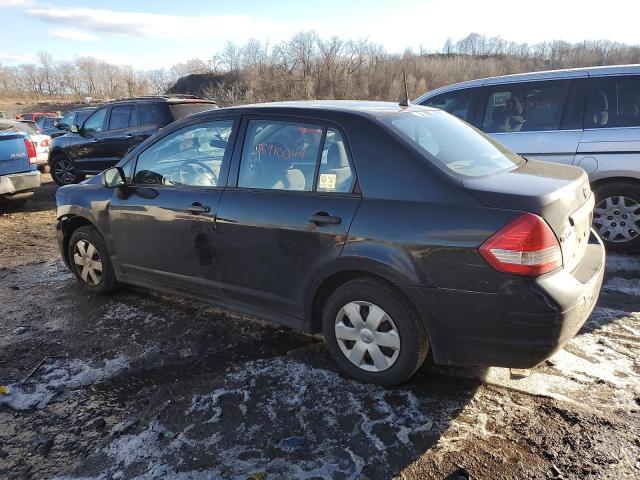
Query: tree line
309, 67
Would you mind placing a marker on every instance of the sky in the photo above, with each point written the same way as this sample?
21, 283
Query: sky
159, 33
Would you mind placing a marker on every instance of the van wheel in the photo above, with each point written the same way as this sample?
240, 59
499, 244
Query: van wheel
616, 216
90, 262
373, 333
63, 171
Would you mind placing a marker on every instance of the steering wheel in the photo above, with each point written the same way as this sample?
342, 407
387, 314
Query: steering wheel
204, 166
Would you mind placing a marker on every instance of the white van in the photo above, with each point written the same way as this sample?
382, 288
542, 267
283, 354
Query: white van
585, 116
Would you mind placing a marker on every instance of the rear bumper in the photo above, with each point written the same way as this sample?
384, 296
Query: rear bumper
43, 157
519, 326
19, 182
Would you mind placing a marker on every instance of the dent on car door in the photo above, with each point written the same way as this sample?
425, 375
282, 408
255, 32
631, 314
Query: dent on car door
163, 222
288, 217
539, 120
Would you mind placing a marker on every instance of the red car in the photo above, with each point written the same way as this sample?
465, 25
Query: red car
35, 115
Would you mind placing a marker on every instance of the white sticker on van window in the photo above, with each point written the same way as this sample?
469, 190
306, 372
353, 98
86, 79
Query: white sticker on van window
327, 181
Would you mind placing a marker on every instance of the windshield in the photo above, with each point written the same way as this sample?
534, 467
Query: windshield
452, 143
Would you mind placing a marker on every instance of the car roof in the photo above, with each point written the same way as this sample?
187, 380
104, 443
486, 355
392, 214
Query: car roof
312, 107
162, 98
532, 76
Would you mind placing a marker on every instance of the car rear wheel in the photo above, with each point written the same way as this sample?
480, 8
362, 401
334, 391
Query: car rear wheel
616, 216
63, 171
90, 262
373, 333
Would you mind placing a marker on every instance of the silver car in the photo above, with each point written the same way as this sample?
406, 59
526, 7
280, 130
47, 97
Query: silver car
585, 116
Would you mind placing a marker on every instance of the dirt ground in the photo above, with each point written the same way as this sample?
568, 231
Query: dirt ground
141, 385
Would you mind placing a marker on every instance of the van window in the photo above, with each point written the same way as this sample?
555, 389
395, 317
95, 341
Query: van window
120, 116
525, 107
613, 102
457, 103
453, 145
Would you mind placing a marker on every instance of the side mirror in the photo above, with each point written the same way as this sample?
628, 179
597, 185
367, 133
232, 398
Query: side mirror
113, 177
73, 128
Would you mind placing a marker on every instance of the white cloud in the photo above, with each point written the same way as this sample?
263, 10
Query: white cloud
159, 26
73, 34
17, 3
8, 57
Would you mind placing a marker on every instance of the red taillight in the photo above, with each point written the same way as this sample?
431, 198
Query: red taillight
44, 142
526, 246
31, 151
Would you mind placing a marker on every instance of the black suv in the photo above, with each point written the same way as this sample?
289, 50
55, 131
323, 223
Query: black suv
112, 130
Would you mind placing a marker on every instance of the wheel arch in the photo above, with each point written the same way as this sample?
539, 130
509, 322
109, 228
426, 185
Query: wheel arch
68, 224
611, 180
342, 272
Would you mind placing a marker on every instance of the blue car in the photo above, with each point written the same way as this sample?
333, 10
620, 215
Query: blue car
19, 173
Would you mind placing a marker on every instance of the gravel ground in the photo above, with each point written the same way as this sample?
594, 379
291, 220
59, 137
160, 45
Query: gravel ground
141, 385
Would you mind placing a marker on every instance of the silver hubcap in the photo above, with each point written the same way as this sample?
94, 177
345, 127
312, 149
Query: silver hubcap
88, 262
617, 219
63, 170
367, 336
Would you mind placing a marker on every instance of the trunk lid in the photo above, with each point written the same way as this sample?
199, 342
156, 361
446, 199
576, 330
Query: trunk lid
558, 193
13, 154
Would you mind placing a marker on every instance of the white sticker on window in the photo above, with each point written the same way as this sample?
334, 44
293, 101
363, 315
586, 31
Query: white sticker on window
328, 181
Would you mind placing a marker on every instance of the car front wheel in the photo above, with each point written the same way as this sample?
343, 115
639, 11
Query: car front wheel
373, 333
616, 216
90, 262
63, 171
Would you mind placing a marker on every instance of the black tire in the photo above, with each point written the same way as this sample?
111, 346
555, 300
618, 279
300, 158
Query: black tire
631, 192
107, 281
413, 341
63, 171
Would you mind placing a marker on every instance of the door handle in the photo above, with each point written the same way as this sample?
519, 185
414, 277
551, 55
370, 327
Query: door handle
197, 208
95, 140
323, 218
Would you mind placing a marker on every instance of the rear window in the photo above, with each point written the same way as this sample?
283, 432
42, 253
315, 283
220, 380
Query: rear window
179, 110
17, 127
452, 144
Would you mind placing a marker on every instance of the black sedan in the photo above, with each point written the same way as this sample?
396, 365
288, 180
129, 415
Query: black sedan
392, 230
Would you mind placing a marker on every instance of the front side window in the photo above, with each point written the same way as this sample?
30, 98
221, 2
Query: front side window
613, 102
525, 107
454, 145
82, 115
335, 173
120, 117
191, 156
457, 103
95, 123
279, 155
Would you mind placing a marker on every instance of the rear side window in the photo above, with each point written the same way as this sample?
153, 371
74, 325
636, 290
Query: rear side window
120, 117
280, 155
334, 174
457, 103
154, 114
179, 110
613, 102
525, 107
453, 145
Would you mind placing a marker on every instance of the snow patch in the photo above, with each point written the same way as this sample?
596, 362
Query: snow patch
624, 285
60, 376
